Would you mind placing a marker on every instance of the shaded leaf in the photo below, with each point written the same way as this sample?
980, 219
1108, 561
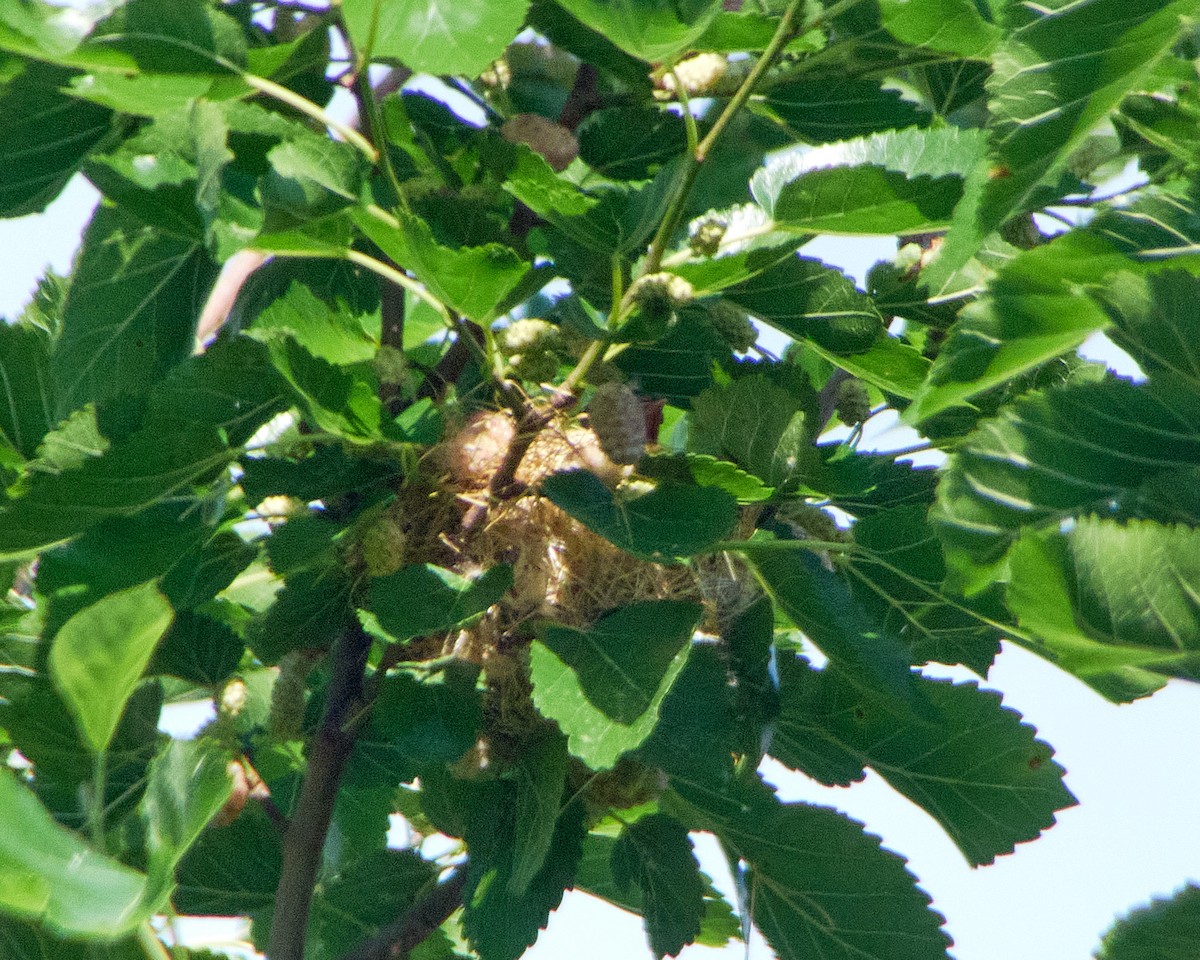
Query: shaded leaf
45, 135
808, 300
233, 870
821, 605
629, 143
655, 854
818, 881
823, 108
499, 924
420, 599
540, 777
897, 574
416, 724
27, 403
977, 769
1164, 929
756, 424
604, 686
662, 525
131, 309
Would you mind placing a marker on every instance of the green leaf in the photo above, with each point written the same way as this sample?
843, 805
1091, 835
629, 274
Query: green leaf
421, 599
977, 769
667, 523
44, 137
1154, 319
416, 724
1058, 453
811, 301
951, 26
897, 574
540, 777
27, 404
233, 870
343, 402
678, 366
364, 896
705, 470
471, 280
630, 143
1111, 603
99, 656
651, 30
1164, 929
188, 785
823, 108
818, 882
335, 335
435, 36
749, 637
310, 611
899, 182
198, 649
134, 475
718, 926
697, 734
115, 555
1057, 74
499, 924
820, 604
655, 854
20, 941
48, 874
310, 178
131, 309
756, 424
892, 366
604, 686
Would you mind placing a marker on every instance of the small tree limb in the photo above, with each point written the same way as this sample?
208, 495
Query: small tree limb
397, 940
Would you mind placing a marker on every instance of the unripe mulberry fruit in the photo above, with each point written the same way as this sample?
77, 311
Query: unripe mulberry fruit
530, 334
536, 366
812, 523
705, 235
391, 366
732, 325
619, 423
382, 547
853, 402
661, 289
287, 696
697, 75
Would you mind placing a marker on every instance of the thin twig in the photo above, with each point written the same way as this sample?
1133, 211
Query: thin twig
397, 940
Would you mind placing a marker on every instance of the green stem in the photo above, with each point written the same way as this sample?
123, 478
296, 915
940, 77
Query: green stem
96, 800
310, 109
786, 30
401, 279
738, 546
152, 947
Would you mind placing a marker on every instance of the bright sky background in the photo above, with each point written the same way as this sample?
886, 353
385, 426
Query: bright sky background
1135, 769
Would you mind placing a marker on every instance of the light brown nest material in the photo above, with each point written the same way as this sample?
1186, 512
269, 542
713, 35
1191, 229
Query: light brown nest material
561, 570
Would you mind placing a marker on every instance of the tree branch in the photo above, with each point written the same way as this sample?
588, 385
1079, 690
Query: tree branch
305, 839
397, 940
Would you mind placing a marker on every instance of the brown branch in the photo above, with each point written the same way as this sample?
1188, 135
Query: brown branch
396, 941
531, 421
327, 755
468, 344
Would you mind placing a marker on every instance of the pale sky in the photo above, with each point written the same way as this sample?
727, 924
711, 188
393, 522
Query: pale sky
1135, 768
